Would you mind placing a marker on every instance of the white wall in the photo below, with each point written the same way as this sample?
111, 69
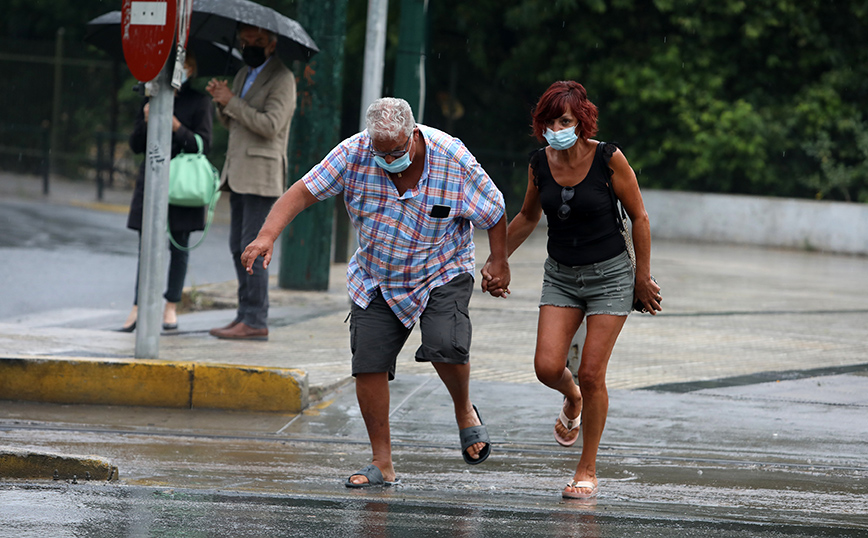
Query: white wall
778, 222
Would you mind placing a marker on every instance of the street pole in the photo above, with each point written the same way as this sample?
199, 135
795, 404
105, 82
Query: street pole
410, 63
152, 258
55, 108
375, 50
305, 256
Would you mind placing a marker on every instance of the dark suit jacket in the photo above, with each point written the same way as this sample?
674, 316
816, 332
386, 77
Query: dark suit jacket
193, 109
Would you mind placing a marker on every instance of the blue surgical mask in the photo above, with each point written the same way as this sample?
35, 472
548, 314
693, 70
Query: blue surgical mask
563, 139
398, 165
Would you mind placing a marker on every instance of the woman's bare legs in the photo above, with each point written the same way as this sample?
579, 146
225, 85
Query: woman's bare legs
603, 331
557, 326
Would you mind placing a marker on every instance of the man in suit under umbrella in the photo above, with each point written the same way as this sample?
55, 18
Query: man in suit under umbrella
257, 111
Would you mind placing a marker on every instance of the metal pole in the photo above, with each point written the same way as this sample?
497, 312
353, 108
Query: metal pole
375, 50
152, 259
55, 107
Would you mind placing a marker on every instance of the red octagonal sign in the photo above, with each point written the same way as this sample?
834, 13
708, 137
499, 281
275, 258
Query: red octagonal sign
147, 33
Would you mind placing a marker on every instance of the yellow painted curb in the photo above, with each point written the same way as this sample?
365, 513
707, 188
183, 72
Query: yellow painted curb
152, 383
44, 465
249, 388
96, 381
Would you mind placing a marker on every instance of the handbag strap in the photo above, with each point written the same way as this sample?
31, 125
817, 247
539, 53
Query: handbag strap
200, 145
620, 216
211, 207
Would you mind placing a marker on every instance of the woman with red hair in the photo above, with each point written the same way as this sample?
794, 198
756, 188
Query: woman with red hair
588, 273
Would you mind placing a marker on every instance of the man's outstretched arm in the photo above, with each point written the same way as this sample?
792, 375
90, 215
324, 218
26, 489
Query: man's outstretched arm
284, 210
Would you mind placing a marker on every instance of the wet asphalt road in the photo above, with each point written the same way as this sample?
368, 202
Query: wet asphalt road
760, 469
764, 457
61, 256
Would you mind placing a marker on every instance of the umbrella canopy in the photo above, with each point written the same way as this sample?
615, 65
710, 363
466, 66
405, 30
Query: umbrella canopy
213, 30
218, 20
212, 59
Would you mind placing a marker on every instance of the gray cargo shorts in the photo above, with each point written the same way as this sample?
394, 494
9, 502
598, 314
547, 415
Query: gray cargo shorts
377, 335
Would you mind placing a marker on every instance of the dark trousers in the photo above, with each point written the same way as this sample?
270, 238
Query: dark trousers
177, 268
248, 212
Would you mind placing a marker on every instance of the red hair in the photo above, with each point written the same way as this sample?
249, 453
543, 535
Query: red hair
562, 96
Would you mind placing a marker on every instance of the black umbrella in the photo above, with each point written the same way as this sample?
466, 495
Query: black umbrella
216, 22
212, 59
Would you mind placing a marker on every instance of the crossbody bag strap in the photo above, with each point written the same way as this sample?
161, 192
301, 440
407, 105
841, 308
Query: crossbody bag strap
620, 215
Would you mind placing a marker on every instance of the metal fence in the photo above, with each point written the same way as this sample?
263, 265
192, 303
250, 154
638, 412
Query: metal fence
62, 111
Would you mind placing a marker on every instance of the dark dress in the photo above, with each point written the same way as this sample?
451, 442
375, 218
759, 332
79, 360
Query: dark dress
194, 112
193, 109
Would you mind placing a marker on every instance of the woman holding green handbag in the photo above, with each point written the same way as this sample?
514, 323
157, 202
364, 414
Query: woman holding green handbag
193, 115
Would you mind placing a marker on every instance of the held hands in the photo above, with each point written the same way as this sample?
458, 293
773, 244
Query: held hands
648, 292
259, 247
496, 278
219, 90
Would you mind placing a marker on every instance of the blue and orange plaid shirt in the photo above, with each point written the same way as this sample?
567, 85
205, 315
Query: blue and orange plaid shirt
403, 250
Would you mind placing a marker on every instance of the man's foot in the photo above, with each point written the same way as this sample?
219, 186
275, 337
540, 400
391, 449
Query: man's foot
213, 332
472, 429
241, 331
581, 489
567, 429
372, 475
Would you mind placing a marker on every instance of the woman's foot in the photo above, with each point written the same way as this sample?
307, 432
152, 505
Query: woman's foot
130, 323
170, 316
566, 428
585, 488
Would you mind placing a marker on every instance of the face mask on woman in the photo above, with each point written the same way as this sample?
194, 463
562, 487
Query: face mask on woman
563, 139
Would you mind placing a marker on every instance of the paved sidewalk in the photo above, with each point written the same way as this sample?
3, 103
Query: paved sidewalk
728, 311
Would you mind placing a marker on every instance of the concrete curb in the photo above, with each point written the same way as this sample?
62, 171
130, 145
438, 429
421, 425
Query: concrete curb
153, 383
46, 466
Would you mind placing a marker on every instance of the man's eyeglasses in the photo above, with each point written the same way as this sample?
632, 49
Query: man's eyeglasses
566, 195
396, 154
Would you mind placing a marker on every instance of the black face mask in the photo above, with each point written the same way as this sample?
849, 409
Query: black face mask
253, 56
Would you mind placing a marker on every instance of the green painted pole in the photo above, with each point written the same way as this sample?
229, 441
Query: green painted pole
410, 61
305, 254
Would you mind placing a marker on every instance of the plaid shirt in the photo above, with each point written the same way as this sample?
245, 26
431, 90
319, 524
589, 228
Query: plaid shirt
403, 250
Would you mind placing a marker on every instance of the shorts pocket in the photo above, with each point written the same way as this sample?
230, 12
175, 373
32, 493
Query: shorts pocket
461, 329
353, 328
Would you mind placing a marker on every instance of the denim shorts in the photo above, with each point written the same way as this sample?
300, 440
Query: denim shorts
377, 335
599, 288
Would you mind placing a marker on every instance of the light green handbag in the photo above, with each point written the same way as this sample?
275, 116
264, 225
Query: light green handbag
193, 182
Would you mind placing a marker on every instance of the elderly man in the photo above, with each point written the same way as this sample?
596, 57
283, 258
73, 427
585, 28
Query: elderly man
257, 111
414, 194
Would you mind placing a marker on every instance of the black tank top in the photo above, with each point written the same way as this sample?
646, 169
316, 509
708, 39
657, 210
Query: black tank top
590, 233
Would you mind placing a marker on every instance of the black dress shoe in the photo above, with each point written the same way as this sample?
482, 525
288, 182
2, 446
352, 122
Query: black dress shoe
170, 326
128, 328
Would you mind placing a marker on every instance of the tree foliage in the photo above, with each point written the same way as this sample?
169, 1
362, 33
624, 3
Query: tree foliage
735, 96
759, 96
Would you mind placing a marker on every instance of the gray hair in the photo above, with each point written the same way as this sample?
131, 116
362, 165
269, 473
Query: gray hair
389, 117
